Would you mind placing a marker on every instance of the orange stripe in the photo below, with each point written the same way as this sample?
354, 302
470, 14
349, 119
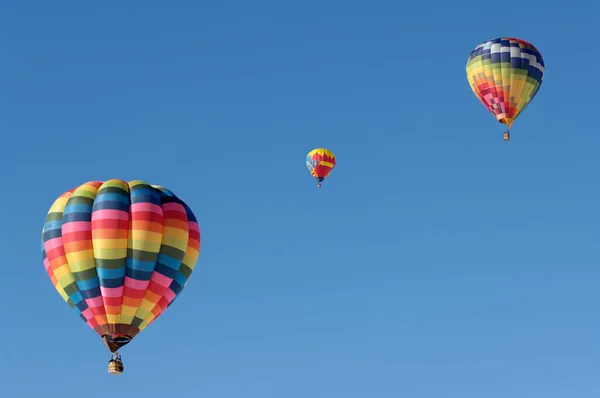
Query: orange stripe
81, 245
111, 233
113, 310
147, 226
173, 223
152, 297
131, 302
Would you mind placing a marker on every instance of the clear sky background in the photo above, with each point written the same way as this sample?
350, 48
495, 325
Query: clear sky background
437, 261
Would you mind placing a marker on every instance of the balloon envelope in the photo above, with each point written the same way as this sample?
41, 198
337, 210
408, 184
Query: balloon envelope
320, 162
119, 253
505, 74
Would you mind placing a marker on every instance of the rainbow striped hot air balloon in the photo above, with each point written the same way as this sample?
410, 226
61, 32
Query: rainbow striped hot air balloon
505, 74
119, 254
320, 163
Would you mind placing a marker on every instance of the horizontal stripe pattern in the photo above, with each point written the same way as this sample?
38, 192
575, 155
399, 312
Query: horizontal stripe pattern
119, 253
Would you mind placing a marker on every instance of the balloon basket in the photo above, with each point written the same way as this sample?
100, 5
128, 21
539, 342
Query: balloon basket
506, 136
115, 366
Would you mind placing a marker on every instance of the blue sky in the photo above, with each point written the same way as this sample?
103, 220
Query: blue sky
436, 261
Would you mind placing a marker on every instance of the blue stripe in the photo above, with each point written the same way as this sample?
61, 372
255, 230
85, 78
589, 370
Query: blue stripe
78, 208
176, 288
82, 305
138, 275
105, 273
140, 265
166, 271
111, 205
88, 284
91, 293
190, 215
76, 298
180, 278
74, 217
111, 283
145, 195
112, 197
54, 233
169, 261
52, 225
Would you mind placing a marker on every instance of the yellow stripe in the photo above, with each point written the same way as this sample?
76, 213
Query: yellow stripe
127, 311
112, 318
62, 292
322, 152
66, 280
176, 232
191, 257
141, 235
175, 242
59, 205
83, 265
134, 183
110, 254
116, 183
62, 271
145, 307
109, 243
87, 191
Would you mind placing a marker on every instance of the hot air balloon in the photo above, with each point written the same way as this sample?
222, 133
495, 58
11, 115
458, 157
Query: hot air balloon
119, 253
320, 162
505, 74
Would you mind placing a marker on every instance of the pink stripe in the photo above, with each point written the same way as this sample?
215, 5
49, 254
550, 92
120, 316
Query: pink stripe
108, 214
76, 226
95, 302
169, 295
173, 207
136, 284
193, 226
47, 264
161, 279
111, 292
88, 314
53, 244
147, 207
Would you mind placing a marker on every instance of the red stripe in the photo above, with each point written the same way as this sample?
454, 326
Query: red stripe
133, 293
112, 301
110, 224
98, 311
155, 288
76, 236
175, 215
194, 235
146, 216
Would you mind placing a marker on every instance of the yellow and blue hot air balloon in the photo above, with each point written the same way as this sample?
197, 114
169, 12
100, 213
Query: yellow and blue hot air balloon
505, 74
119, 253
320, 162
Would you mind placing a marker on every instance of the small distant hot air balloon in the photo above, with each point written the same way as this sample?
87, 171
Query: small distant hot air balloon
320, 162
505, 74
119, 253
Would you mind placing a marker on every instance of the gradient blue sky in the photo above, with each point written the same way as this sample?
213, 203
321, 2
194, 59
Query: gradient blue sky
437, 261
